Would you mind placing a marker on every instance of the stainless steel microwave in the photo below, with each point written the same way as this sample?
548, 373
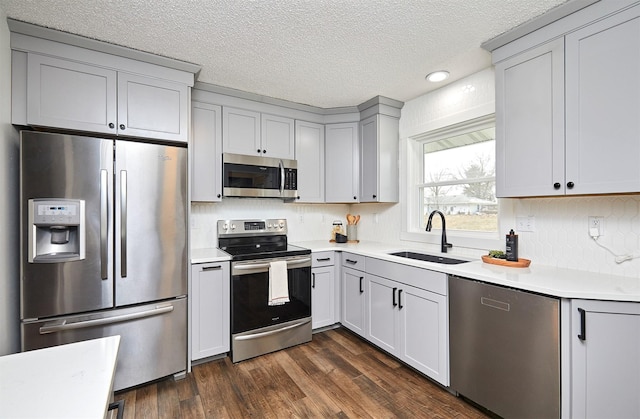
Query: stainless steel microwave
253, 176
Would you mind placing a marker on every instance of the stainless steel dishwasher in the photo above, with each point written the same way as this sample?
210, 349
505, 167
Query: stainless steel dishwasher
505, 348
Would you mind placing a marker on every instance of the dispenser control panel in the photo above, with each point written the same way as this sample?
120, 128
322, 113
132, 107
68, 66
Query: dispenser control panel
57, 212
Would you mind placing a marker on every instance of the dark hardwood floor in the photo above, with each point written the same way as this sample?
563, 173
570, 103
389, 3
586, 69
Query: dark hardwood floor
335, 375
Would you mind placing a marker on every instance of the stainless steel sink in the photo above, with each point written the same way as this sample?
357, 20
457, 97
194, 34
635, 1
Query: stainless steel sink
429, 258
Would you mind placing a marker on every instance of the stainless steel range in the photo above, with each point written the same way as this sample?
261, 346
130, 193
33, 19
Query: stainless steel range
270, 287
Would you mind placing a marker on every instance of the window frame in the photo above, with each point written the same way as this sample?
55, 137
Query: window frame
413, 183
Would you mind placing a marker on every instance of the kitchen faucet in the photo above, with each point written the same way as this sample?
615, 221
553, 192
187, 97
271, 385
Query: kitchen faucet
443, 244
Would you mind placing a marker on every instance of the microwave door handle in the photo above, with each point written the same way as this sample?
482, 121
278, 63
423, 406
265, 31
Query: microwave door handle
281, 166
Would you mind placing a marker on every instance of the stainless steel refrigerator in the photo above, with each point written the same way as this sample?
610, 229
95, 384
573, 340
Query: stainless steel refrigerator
104, 249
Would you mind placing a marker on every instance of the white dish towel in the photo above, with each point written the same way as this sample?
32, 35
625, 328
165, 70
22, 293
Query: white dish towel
278, 283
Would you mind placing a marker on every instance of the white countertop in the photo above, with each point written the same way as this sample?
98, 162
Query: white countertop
209, 255
559, 282
65, 381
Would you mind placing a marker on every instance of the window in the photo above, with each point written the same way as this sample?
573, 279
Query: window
457, 178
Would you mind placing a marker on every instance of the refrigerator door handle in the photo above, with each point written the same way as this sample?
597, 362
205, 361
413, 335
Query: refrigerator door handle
59, 326
104, 228
123, 223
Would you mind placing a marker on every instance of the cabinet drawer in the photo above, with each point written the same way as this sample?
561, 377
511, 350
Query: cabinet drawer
353, 261
319, 259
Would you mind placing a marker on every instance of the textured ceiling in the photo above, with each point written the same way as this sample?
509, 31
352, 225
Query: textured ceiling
326, 53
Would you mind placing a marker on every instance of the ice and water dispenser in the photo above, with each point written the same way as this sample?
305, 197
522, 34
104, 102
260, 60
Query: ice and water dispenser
57, 230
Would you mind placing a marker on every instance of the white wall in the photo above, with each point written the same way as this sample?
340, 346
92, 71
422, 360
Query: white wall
9, 218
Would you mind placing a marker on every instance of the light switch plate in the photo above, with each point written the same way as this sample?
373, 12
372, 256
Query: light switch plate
526, 223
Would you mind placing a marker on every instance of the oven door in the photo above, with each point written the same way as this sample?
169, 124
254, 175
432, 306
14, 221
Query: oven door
250, 293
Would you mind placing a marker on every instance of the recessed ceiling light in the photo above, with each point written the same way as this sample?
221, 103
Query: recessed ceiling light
437, 76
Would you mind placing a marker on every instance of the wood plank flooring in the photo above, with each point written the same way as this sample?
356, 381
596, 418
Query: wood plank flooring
336, 375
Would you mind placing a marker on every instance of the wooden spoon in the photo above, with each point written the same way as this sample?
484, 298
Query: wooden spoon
351, 219
357, 219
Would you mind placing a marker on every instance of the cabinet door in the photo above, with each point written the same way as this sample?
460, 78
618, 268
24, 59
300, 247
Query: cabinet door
210, 318
605, 359
379, 159
322, 297
603, 105
277, 137
241, 131
353, 315
152, 108
424, 332
342, 162
206, 152
530, 123
382, 313
310, 157
70, 95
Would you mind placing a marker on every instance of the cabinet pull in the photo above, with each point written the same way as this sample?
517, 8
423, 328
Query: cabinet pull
583, 324
111, 125
323, 259
400, 299
556, 185
353, 262
394, 296
361, 290
211, 268
570, 185
313, 280
122, 127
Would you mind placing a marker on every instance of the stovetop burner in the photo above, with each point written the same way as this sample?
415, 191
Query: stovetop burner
256, 239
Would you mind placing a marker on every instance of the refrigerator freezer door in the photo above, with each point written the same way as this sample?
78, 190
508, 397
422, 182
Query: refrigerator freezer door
153, 338
151, 222
56, 166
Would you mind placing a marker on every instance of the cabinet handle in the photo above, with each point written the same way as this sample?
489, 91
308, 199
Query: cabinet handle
556, 185
374, 197
259, 151
212, 268
394, 296
400, 299
111, 125
313, 280
264, 151
323, 259
122, 127
361, 290
353, 262
355, 197
219, 196
583, 324
570, 185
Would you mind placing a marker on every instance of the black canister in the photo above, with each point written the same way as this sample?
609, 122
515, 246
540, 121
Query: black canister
511, 248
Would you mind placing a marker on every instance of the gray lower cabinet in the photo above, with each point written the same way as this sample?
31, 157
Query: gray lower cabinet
210, 309
605, 365
323, 290
353, 293
408, 321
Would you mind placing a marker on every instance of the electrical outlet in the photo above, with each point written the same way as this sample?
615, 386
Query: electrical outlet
527, 223
596, 226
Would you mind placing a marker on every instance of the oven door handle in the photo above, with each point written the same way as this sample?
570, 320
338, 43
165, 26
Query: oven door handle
271, 332
252, 266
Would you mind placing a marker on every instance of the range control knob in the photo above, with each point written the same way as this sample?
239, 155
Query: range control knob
233, 226
281, 224
225, 226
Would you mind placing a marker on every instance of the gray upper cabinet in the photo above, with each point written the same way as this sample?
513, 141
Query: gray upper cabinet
379, 159
252, 133
206, 152
342, 162
567, 110
80, 84
310, 155
530, 122
76, 96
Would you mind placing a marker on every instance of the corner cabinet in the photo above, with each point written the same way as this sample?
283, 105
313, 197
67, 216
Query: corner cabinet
342, 173
79, 96
210, 309
560, 87
206, 152
311, 158
605, 346
379, 159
